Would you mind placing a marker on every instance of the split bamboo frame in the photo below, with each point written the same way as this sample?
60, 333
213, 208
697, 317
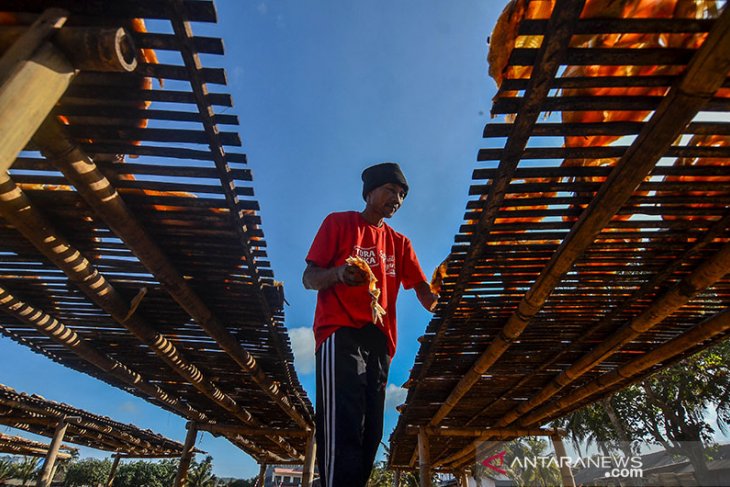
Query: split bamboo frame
21, 213
101, 195
705, 75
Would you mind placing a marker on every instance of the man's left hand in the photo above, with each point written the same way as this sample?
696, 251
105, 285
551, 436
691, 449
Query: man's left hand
428, 299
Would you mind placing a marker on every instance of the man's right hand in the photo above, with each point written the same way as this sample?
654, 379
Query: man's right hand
352, 275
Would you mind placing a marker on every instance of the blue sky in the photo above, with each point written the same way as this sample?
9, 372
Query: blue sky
324, 89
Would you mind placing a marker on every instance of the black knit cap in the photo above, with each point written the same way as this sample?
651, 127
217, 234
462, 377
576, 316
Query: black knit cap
380, 174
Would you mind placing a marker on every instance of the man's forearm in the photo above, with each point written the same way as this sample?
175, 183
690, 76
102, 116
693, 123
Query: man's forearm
425, 296
318, 278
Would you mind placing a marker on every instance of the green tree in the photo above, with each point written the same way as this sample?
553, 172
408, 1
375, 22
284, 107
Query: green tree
26, 469
168, 470
141, 474
7, 469
669, 408
201, 473
87, 472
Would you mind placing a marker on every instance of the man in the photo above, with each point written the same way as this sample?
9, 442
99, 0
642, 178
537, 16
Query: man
353, 353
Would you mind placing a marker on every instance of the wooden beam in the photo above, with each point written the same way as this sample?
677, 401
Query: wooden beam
33, 77
464, 478
396, 478
566, 475
309, 459
261, 479
46, 475
482, 433
705, 74
113, 471
424, 458
181, 478
222, 429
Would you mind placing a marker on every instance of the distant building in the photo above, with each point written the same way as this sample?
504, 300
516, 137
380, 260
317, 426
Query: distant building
662, 469
285, 476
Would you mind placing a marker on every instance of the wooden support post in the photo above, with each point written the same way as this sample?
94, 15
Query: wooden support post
464, 478
566, 474
181, 478
396, 479
33, 76
113, 471
261, 480
424, 458
45, 478
309, 459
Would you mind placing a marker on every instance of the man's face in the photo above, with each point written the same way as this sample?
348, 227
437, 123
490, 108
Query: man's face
386, 199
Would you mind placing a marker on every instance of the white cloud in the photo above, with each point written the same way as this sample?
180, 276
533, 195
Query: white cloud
262, 8
128, 407
302, 342
394, 396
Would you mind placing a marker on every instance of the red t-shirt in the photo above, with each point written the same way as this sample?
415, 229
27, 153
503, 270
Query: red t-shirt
391, 258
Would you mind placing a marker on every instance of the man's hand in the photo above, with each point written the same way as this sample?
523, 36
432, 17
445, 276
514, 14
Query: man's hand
426, 297
352, 275
318, 278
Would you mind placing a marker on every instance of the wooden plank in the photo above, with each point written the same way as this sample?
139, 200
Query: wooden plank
601, 152
109, 115
615, 56
168, 42
128, 134
580, 103
33, 164
193, 10
173, 152
130, 96
35, 72
216, 76
623, 25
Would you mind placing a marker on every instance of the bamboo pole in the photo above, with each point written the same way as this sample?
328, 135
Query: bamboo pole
482, 433
709, 272
113, 471
86, 48
716, 230
33, 76
48, 414
566, 475
461, 458
705, 275
63, 335
21, 213
464, 478
222, 428
710, 328
181, 478
704, 76
101, 195
424, 458
261, 479
45, 477
309, 460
